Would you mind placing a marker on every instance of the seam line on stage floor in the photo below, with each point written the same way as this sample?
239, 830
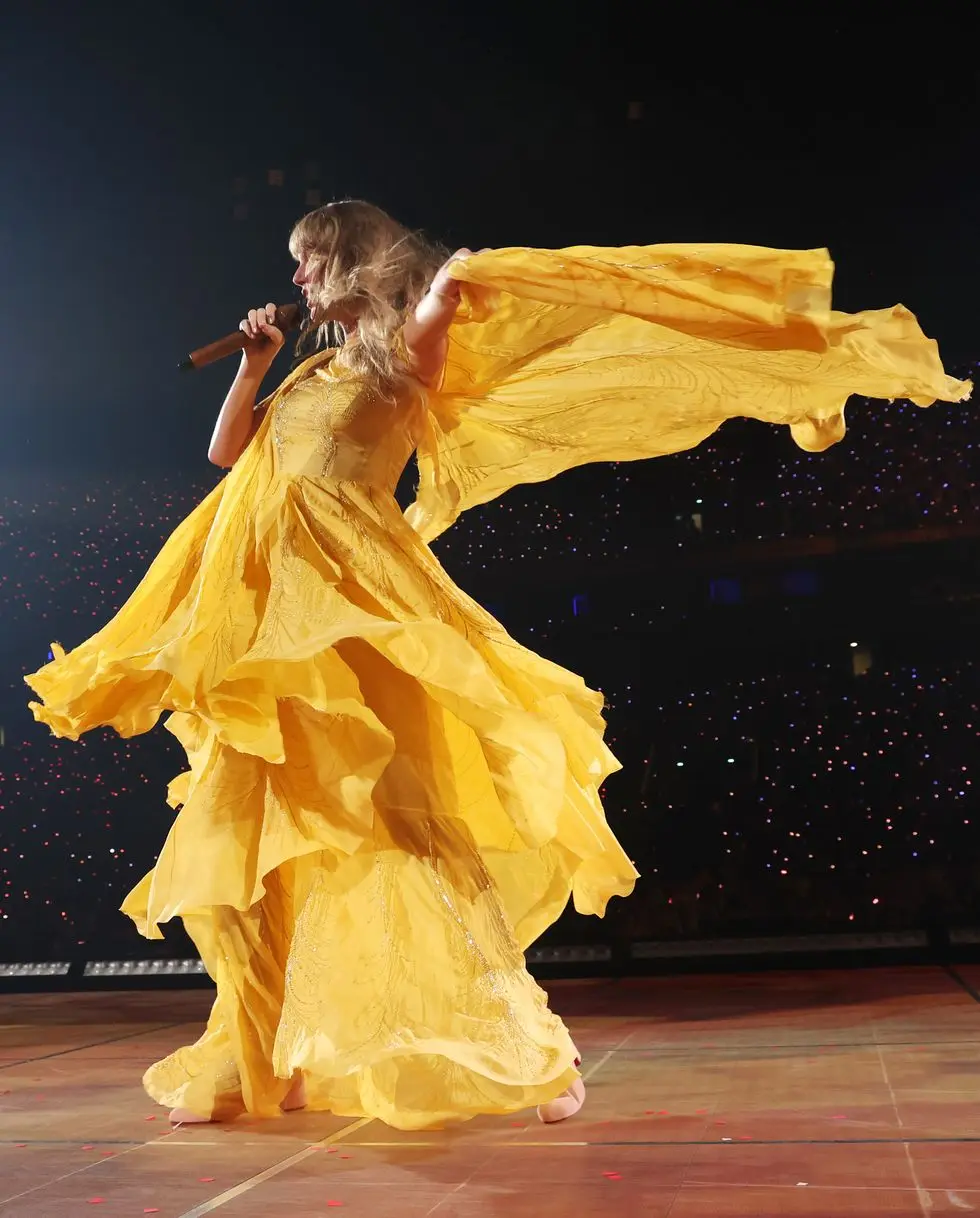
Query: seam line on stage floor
962, 982
113, 1040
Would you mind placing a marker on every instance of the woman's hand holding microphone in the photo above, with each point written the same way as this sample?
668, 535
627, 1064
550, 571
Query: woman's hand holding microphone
265, 339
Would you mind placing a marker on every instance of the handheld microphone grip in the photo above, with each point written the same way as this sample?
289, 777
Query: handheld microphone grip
287, 318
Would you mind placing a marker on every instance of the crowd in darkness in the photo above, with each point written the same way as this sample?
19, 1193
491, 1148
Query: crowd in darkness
817, 801
810, 799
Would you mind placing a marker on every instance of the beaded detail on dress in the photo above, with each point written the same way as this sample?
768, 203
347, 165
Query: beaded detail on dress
332, 424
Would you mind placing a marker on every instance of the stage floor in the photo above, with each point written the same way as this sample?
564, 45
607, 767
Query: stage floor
817, 1093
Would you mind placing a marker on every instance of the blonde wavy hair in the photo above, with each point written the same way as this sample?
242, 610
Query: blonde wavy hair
367, 263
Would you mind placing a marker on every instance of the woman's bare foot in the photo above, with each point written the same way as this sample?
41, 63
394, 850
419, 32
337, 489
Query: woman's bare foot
184, 1116
565, 1106
296, 1096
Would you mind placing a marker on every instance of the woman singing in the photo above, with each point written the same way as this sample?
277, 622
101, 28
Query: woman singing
388, 798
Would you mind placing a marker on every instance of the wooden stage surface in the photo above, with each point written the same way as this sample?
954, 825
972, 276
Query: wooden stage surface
818, 1093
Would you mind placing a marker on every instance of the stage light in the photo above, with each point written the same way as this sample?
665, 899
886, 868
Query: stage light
143, 968
47, 969
780, 946
568, 955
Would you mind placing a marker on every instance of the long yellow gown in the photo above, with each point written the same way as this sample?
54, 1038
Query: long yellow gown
388, 798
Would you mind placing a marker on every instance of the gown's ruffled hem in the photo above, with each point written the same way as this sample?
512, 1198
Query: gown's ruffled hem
368, 1094
392, 983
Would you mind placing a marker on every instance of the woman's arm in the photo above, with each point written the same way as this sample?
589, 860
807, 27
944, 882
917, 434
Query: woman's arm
425, 332
238, 419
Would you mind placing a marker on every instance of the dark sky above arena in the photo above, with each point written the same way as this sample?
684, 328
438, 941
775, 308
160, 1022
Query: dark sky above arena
154, 156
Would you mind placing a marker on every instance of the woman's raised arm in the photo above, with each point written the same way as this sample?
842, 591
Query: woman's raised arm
425, 331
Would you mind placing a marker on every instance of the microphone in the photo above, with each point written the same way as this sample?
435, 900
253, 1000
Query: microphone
287, 318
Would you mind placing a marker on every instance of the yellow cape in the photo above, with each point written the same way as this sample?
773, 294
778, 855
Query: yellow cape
561, 357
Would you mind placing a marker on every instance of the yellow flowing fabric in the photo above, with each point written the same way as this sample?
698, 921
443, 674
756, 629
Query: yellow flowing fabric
562, 357
388, 798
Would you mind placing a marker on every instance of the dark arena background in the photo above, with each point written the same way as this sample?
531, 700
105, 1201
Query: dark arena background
785, 1017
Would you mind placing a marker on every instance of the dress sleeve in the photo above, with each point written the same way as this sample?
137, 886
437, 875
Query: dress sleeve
561, 357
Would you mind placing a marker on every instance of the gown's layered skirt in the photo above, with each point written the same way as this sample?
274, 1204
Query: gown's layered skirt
387, 797
386, 794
